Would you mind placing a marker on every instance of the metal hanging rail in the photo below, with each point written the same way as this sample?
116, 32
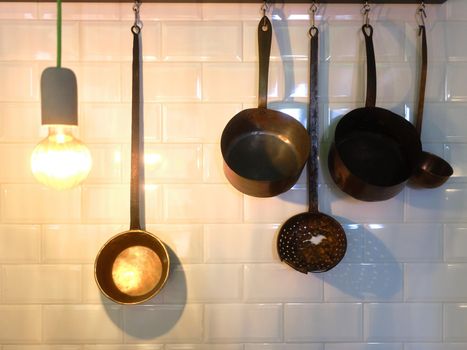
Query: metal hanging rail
250, 1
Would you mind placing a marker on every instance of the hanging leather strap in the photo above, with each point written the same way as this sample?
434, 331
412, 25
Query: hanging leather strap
423, 75
264, 48
137, 146
313, 122
367, 30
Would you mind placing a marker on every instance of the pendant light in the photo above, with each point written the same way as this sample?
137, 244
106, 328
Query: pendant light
60, 161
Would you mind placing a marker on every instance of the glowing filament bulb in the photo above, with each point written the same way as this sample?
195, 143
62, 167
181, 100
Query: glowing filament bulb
61, 161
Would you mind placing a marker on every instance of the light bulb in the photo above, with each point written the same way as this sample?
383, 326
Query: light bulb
60, 161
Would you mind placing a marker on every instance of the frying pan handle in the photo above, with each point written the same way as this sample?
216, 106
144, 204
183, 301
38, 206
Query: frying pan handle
137, 132
313, 123
367, 30
264, 47
423, 74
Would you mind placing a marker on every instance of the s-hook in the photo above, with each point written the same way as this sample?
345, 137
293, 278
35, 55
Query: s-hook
366, 13
138, 24
313, 29
421, 15
265, 9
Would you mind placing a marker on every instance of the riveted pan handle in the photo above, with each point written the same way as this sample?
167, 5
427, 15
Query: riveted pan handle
264, 47
137, 132
367, 30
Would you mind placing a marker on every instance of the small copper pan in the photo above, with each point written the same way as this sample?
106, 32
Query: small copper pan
133, 266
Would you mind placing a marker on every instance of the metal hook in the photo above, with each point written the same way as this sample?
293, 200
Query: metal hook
138, 24
366, 13
421, 14
313, 29
313, 10
265, 8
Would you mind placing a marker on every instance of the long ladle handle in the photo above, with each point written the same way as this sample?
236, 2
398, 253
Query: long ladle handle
264, 48
313, 123
137, 131
423, 74
367, 30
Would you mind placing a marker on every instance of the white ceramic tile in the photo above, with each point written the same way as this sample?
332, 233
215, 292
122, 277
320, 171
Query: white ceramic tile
280, 208
243, 322
80, 11
363, 346
364, 282
41, 284
444, 122
164, 11
280, 283
242, 83
89, 289
455, 239
354, 235
25, 10
20, 122
323, 322
308, 346
195, 122
213, 164
204, 283
204, 347
124, 347
110, 203
78, 324
338, 204
185, 241
345, 42
436, 88
200, 203
20, 324
455, 89
202, 41
75, 243
163, 324
456, 9
99, 82
181, 82
39, 204
93, 34
171, 163
20, 82
456, 49
36, 40
455, 318
395, 82
403, 242
402, 322
435, 282
455, 155
17, 156
106, 164
240, 243
435, 346
20, 243
446, 203
290, 38
345, 81
112, 122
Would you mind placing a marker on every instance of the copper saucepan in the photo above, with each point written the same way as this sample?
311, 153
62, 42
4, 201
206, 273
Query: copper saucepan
133, 266
264, 150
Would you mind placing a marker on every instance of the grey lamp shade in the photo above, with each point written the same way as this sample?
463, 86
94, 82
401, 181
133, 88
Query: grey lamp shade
59, 97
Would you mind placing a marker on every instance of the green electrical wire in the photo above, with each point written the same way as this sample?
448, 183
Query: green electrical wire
59, 33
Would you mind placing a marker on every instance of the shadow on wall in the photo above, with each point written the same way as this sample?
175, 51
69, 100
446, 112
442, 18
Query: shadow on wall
152, 319
359, 276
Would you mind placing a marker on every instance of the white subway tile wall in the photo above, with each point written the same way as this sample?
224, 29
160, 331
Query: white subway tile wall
402, 284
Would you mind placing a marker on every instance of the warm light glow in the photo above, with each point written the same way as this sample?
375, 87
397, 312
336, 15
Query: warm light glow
60, 161
136, 270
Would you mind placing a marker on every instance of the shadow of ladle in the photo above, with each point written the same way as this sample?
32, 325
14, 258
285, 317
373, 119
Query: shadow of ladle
431, 171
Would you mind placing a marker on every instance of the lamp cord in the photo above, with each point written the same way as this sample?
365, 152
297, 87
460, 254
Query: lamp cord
59, 33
